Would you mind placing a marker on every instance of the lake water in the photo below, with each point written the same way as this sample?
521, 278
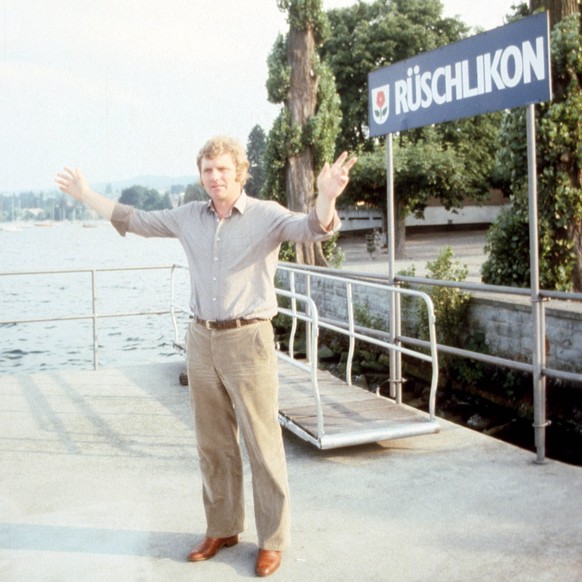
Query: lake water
33, 347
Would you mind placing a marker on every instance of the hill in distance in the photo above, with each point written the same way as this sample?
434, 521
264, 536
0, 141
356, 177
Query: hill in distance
157, 182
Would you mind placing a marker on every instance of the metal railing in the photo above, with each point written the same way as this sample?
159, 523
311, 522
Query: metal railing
311, 319
94, 316
538, 373
349, 328
394, 339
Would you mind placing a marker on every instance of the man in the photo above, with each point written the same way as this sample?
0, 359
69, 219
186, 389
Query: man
232, 244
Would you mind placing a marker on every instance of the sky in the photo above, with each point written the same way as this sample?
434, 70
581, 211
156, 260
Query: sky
125, 88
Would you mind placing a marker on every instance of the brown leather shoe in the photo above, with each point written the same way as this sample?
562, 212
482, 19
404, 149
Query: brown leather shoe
267, 562
209, 548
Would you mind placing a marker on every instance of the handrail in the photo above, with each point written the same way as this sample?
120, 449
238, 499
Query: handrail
539, 371
354, 335
425, 281
469, 286
94, 316
311, 318
174, 308
350, 279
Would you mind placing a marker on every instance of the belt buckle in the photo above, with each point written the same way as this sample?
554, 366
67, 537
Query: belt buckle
210, 324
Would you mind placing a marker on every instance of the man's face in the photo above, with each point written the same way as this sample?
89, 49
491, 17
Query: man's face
218, 176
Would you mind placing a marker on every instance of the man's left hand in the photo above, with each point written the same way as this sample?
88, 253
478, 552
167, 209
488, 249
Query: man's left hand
333, 179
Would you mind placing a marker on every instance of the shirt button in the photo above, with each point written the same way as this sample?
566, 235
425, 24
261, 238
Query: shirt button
216, 258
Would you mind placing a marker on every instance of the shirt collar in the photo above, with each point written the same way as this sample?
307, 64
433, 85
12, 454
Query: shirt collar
240, 204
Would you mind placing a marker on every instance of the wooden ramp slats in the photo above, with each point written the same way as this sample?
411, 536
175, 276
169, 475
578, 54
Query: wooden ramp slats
349, 418
351, 415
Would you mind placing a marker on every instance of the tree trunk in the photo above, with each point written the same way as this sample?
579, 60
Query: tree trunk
399, 229
576, 235
301, 104
558, 9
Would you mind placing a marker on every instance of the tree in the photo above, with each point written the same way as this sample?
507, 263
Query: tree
559, 157
426, 165
256, 145
365, 37
303, 135
132, 196
195, 192
450, 162
177, 188
144, 198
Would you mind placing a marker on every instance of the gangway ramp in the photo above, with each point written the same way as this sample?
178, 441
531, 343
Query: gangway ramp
351, 415
330, 412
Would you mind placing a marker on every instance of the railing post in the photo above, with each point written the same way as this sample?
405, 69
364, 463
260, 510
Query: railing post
294, 319
351, 330
308, 326
94, 314
172, 301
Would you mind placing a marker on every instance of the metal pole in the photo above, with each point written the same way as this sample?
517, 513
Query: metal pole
394, 298
538, 316
94, 309
390, 207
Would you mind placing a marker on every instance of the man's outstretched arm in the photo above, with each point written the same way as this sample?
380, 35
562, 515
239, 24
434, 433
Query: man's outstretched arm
73, 183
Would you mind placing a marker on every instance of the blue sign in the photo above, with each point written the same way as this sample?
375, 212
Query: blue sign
499, 69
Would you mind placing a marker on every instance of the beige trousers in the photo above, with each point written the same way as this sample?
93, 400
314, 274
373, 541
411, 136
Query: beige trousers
234, 384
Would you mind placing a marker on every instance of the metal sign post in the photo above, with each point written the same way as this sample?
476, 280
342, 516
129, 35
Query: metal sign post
496, 70
394, 298
537, 304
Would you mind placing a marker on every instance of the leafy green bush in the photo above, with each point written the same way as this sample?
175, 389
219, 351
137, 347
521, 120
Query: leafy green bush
508, 249
364, 318
559, 157
450, 305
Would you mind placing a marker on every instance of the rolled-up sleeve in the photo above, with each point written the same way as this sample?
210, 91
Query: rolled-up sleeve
120, 218
316, 227
154, 223
298, 227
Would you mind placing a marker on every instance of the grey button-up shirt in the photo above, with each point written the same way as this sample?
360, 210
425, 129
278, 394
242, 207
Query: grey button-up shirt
233, 260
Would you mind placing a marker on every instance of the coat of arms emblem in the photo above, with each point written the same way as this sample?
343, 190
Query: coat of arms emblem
381, 103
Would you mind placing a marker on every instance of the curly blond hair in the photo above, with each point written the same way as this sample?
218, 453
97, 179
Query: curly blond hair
220, 145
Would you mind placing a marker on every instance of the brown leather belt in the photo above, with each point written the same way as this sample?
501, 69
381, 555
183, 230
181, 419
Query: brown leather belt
226, 324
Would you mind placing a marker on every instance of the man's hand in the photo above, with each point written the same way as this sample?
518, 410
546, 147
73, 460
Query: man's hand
333, 179
331, 182
73, 183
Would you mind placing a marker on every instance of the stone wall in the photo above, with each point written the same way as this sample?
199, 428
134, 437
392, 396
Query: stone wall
508, 327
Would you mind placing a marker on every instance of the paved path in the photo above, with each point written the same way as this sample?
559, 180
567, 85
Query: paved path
467, 248
99, 482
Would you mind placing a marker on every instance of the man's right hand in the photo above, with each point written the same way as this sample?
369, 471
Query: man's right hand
73, 183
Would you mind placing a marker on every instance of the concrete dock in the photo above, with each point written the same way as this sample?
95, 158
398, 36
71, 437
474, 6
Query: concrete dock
99, 482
